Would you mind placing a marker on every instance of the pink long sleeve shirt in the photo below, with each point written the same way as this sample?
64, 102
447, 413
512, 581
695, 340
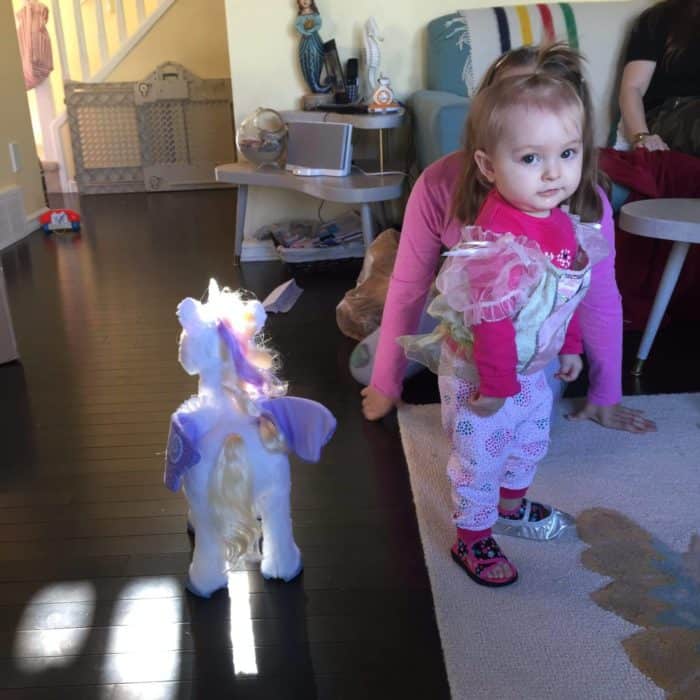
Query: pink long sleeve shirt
427, 228
495, 353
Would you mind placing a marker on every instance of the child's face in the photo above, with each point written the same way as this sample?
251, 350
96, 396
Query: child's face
536, 164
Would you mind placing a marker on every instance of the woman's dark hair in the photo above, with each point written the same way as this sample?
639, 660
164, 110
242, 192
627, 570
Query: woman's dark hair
683, 25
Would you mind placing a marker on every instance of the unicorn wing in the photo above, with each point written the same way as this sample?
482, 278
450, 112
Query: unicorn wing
181, 453
306, 425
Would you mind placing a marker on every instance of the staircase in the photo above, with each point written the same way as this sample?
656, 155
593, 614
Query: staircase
89, 39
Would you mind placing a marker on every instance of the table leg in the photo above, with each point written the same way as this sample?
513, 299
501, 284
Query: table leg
379, 213
673, 268
241, 204
381, 150
367, 225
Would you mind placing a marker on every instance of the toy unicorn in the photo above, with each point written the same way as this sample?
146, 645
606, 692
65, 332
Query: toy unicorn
228, 444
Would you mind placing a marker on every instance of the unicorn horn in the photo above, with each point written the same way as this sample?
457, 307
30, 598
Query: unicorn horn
213, 290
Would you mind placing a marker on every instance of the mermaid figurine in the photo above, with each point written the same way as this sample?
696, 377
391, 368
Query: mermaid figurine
307, 23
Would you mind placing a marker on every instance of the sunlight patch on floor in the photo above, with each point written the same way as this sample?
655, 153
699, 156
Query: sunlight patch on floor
49, 634
145, 639
242, 635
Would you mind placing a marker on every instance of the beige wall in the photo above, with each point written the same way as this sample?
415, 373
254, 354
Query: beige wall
265, 70
15, 124
191, 32
263, 44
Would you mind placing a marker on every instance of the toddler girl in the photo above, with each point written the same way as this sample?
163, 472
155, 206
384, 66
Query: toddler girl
508, 292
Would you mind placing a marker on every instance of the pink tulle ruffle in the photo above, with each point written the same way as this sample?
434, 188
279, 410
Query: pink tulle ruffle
590, 239
490, 276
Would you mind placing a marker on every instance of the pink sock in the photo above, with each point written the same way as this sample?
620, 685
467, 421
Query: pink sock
471, 536
510, 494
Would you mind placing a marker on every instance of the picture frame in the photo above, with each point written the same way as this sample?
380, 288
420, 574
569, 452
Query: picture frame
334, 70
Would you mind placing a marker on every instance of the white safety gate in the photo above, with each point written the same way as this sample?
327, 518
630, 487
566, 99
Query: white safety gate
166, 132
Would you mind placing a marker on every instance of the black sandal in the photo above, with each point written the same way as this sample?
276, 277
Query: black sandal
479, 557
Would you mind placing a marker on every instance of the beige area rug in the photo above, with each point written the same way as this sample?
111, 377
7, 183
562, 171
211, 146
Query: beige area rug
613, 616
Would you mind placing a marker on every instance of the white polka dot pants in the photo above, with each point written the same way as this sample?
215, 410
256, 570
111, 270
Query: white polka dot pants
487, 453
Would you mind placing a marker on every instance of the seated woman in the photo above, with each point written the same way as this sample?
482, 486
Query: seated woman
660, 86
660, 105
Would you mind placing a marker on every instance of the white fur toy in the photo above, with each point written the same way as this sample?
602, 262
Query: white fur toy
228, 444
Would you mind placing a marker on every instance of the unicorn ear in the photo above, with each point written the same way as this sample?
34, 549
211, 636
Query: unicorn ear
189, 313
259, 314
213, 291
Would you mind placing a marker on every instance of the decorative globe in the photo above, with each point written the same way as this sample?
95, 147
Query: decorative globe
262, 137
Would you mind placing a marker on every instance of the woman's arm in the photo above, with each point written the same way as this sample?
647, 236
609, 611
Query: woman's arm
600, 318
600, 315
636, 77
413, 274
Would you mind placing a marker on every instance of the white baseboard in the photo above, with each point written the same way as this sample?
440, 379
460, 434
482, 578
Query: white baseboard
258, 251
33, 220
263, 251
15, 223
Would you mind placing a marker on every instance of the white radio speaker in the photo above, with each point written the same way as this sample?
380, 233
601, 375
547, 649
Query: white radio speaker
319, 148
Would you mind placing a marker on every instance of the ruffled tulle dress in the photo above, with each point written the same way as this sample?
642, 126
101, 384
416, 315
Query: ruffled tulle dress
491, 276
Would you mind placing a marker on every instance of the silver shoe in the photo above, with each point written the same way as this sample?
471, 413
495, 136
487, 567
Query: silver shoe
555, 525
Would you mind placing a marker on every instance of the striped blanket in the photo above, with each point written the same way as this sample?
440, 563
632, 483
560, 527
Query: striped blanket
462, 44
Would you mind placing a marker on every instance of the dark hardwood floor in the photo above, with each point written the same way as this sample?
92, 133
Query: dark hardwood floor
93, 548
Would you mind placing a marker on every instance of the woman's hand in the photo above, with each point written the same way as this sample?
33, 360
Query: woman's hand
485, 406
652, 142
374, 404
617, 417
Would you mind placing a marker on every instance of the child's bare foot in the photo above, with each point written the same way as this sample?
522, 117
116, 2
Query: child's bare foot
484, 562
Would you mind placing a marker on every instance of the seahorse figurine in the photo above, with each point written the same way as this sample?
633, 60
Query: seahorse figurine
307, 23
373, 55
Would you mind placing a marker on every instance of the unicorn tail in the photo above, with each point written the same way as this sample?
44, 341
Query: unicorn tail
231, 501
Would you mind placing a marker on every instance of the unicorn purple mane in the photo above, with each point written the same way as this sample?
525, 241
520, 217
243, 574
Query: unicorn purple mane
228, 444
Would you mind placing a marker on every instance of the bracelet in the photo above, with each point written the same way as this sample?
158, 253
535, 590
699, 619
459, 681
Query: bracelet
640, 136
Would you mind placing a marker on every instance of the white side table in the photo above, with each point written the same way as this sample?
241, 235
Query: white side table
676, 220
353, 189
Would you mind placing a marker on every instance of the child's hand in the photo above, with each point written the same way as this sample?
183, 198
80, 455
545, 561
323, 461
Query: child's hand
374, 404
485, 406
570, 367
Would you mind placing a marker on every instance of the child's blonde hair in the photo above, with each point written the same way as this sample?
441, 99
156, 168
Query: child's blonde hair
564, 63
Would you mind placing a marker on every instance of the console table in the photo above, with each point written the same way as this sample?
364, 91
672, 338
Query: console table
357, 189
676, 220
